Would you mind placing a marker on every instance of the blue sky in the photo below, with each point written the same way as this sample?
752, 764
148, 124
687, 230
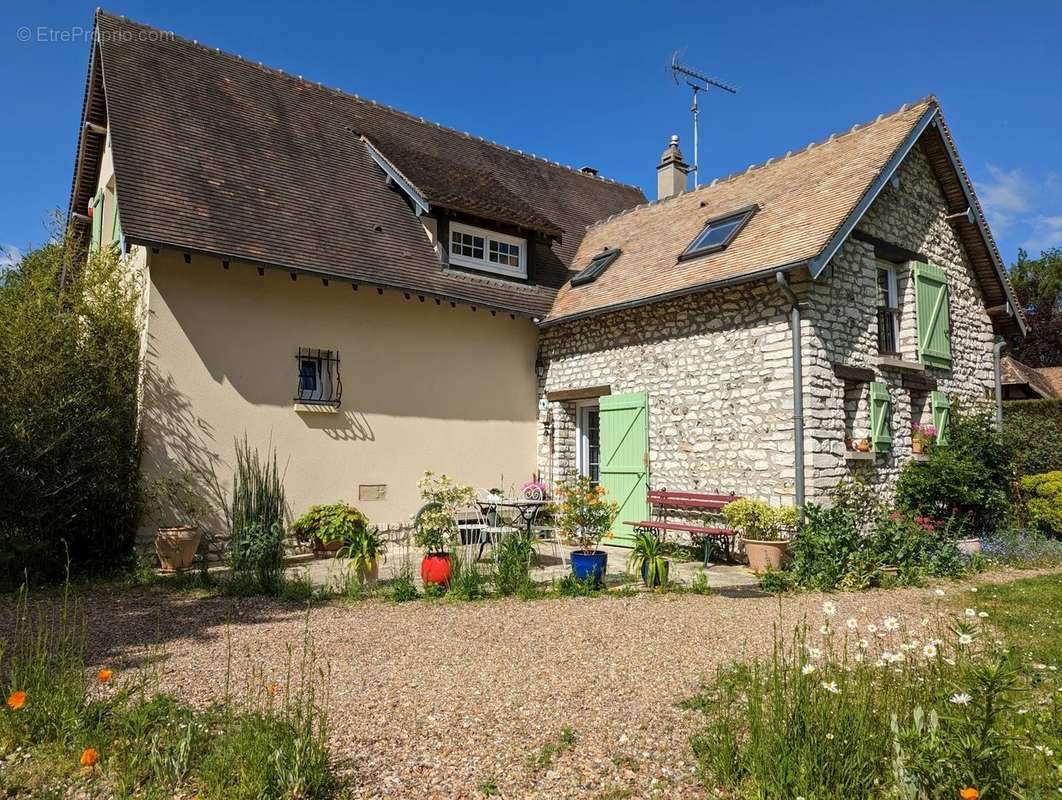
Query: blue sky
585, 82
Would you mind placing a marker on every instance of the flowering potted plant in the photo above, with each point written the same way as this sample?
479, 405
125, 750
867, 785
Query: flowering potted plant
535, 490
176, 502
585, 515
436, 523
922, 436
330, 527
765, 531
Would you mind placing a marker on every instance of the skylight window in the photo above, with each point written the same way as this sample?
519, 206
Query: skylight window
719, 232
594, 269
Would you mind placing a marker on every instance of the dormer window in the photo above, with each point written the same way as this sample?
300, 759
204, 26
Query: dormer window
488, 251
597, 266
718, 233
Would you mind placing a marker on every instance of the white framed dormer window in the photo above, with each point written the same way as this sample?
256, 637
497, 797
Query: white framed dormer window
488, 251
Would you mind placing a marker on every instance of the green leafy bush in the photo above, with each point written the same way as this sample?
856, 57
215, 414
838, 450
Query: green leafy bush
1032, 430
69, 444
512, 559
256, 518
967, 482
1043, 501
758, 521
336, 522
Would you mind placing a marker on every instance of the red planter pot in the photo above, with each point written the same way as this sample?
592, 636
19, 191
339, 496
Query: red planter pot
435, 568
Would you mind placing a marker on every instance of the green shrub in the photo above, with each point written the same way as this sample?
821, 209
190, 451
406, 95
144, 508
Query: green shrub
570, 586
967, 481
467, 581
512, 573
403, 588
825, 546
1033, 429
1043, 501
256, 518
336, 522
756, 520
69, 444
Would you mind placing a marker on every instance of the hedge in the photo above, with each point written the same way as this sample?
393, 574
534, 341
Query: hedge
1033, 429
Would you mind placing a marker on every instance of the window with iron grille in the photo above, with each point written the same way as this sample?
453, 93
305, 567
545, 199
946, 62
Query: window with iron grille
888, 310
318, 377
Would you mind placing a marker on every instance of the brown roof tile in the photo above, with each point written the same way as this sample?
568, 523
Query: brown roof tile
1045, 381
217, 154
803, 198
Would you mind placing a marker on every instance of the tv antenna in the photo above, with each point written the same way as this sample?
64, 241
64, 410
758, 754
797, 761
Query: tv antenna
698, 82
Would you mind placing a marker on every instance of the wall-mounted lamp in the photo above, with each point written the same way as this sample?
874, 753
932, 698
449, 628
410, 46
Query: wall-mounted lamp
543, 412
540, 367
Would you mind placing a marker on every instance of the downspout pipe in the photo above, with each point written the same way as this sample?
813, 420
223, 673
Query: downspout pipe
997, 352
798, 389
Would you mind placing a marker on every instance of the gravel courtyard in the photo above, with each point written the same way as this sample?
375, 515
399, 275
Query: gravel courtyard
456, 700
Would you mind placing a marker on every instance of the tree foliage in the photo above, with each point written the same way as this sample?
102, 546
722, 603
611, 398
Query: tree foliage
1038, 285
69, 445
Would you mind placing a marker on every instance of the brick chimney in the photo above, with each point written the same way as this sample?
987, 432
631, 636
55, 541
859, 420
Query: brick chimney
671, 172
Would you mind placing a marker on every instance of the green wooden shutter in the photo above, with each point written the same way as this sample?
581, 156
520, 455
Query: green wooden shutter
942, 416
116, 228
624, 434
934, 315
97, 223
880, 416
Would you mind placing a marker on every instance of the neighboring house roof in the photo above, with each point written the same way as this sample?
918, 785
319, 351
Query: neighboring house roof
219, 155
1045, 381
807, 204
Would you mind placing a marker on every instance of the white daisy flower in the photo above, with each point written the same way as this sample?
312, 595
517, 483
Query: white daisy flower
824, 630
965, 638
939, 592
982, 614
807, 669
960, 699
973, 589
852, 623
829, 609
814, 653
872, 628
891, 623
830, 687
930, 650
863, 644
970, 612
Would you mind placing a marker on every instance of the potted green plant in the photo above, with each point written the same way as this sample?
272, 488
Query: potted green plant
585, 515
435, 525
647, 558
330, 527
364, 551
176, 502
765, 531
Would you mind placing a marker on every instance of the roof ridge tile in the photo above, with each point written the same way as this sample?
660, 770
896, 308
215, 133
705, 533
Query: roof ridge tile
929, 99
287, 75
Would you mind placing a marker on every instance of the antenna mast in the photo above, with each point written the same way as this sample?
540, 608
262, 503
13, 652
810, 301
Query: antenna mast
698, 82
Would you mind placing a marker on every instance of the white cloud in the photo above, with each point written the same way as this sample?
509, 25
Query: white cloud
9, 256
1006, 196
1046, 232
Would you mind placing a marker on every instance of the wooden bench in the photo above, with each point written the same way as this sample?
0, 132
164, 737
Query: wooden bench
661, 501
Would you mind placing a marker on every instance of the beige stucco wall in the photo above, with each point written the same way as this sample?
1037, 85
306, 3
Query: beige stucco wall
425, 386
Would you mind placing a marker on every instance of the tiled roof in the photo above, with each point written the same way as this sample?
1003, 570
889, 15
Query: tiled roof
804, 199
216, 154
1045, 381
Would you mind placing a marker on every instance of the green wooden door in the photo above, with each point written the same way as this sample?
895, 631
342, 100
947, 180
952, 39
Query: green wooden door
624, 433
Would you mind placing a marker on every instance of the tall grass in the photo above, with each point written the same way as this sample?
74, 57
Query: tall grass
267, 741
256, 519
874, 710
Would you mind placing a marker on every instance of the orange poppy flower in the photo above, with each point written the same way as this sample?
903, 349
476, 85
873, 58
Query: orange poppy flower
105, 675
16, 700
969, 793
89, 757
271, 688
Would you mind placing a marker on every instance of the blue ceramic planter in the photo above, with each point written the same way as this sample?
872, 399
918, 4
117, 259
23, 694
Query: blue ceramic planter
589, 565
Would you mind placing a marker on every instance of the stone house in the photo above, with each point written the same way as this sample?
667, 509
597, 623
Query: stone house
375, 295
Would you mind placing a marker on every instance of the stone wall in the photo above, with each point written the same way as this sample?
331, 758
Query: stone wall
717, 366
717, 370
842, 308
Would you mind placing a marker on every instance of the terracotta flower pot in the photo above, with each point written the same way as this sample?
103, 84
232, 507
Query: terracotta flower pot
890, 570
969, 546
863, 445
762, 554
176, 547
326, 549
917, 446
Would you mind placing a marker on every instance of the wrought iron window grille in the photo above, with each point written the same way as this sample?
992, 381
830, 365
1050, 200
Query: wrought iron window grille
319, 382
888, 325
